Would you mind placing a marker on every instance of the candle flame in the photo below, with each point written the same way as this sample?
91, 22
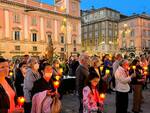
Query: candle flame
102, 96
107, 71
101, 68
56, 84
57, 77
11, 73
145, 68
134, 67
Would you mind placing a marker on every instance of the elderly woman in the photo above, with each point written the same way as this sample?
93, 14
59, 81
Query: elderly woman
7, 94
32, 75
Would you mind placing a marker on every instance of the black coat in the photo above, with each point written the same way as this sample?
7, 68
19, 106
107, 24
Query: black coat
4, 100
42, 85
81, 79
19, 83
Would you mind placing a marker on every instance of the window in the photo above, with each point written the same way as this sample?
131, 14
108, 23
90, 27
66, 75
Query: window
110, 33
149, 33
85, 29
49, 38
96, 26
96, 34
149, 43
74, 49
17, 35
62, 49
144, 33
34, 48
132, 43
62, 39
74, 43
48, 24
34, 37
85, 35
132, 33
90, 28
34, 22
143, 43
74, 7
16, 18
17, 48
103, 24
90, 35
74, 27
149, 25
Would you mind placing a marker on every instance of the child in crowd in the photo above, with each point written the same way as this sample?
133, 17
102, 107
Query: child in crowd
91, 99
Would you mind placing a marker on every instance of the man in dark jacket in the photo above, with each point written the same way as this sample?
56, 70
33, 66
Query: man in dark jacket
81, 77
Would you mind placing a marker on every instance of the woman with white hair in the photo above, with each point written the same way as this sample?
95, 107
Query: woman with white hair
32, 75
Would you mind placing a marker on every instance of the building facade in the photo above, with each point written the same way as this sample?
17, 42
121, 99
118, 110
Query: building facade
100, 30
27, 26
134, 34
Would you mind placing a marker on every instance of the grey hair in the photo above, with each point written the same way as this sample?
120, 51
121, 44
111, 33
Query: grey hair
122, 62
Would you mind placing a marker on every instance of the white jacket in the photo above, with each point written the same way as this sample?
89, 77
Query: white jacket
122, 80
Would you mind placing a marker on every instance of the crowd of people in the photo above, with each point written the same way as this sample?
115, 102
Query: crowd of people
40, 83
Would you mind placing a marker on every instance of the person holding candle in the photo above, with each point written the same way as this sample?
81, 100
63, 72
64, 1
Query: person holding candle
7, 94
45, 82
57, 71
122, 80
137, 83
95, 67
92, 103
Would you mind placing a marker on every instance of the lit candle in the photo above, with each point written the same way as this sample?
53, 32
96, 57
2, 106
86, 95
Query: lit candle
107, 71
101, 68
134, 67
60, 71
128, 68
102, 96
21, 101
145, 67
57, 77
56, 84
11, 73
145, 73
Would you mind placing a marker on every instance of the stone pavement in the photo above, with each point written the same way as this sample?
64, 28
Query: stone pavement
70, 103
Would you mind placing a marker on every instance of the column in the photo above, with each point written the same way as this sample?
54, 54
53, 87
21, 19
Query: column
55, 30
6, 13
79, 33
42, 28
66, 4
26, 27
68, 33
